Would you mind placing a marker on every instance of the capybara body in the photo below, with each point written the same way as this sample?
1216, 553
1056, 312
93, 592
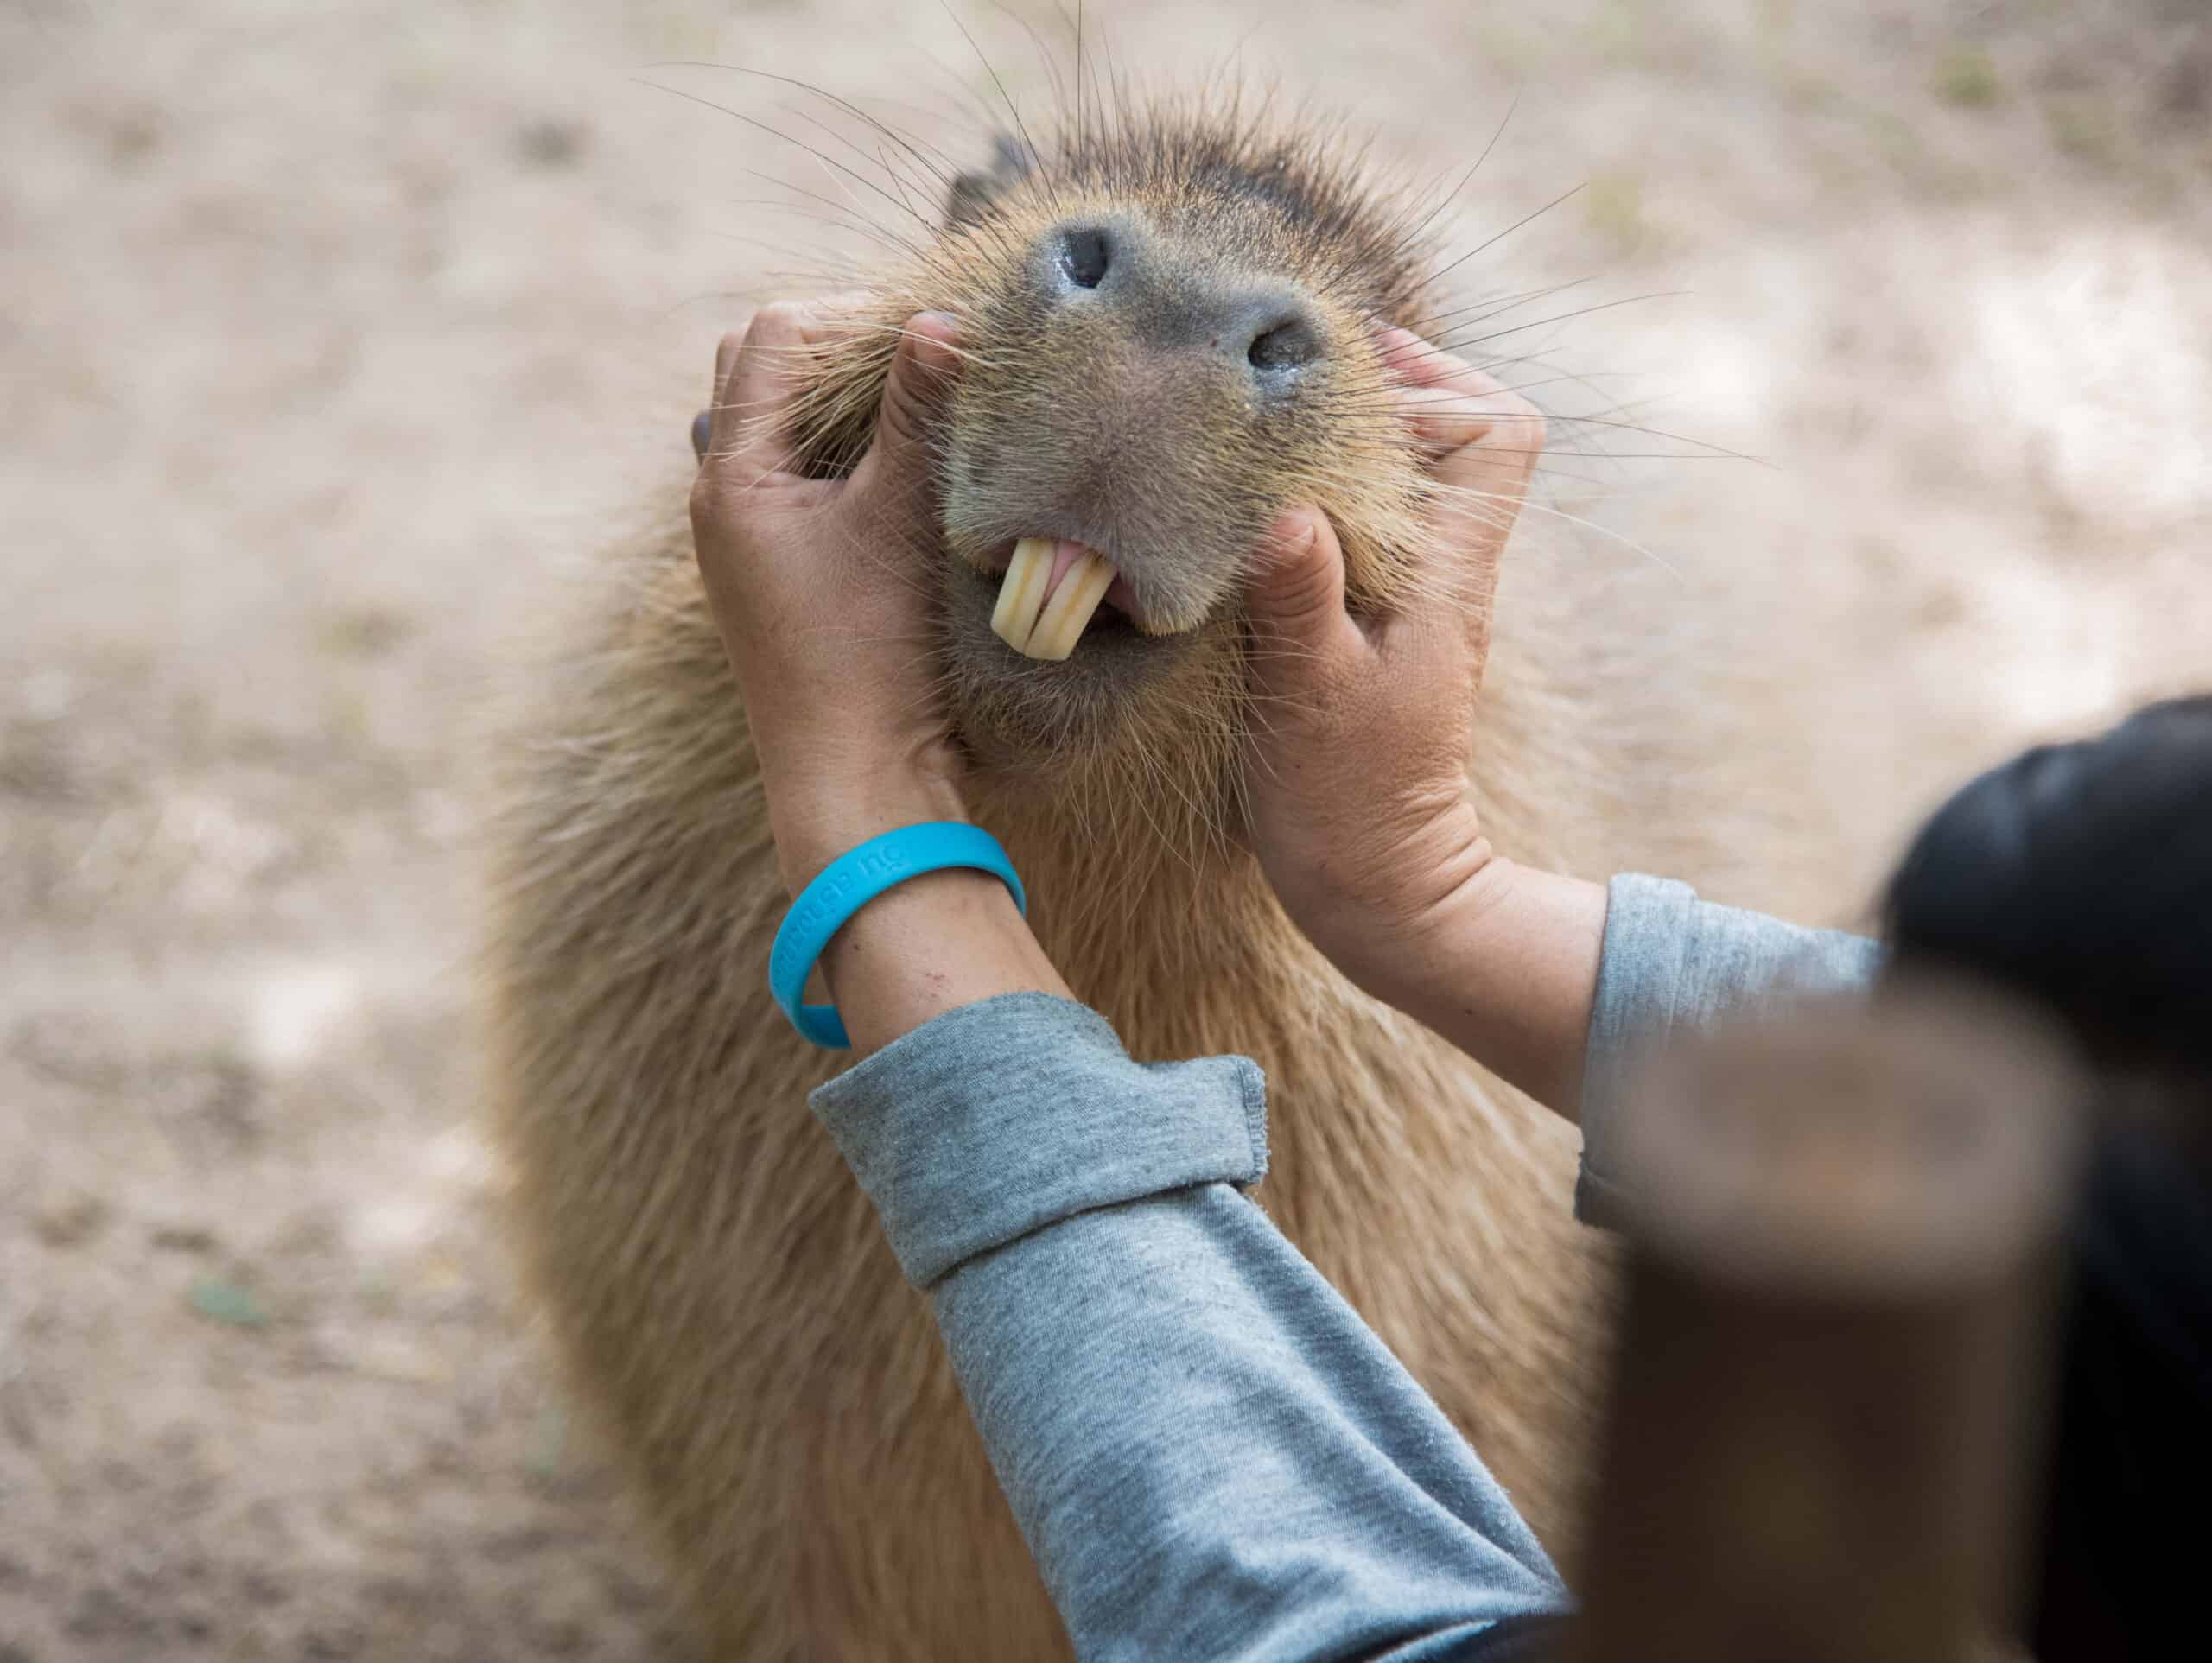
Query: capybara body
716, 1282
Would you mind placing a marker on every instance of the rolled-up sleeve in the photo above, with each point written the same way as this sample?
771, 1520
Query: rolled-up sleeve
1002, 1117
1208, 1452
1671, 964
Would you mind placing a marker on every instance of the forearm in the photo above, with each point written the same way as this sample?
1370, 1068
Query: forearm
1208, 1452
1556, 984
1210, 1456
1504, 964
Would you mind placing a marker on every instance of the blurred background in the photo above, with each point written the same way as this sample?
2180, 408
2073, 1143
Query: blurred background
330, 335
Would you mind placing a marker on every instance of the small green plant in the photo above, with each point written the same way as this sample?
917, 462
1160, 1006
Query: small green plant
2083, 128
1969, 79
227, 1303
1613, 205
365, 631
547, 1455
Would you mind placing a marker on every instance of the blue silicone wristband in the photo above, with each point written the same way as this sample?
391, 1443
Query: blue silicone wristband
850, 883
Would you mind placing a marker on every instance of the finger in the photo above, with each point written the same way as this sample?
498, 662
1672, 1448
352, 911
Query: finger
703, 424
895, 473
1455, 407
1304, 644
1486, 441
755, 376
1450, 626
726, 351
759, 373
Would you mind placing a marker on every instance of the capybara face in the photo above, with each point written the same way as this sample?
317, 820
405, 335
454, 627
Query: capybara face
1172, 334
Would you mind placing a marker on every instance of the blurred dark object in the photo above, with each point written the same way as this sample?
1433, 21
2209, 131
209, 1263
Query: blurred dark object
1828, 1401
551, 144
2081, 876
2131, 1455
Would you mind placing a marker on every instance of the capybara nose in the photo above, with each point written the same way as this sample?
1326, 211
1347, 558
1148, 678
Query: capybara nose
1176, 300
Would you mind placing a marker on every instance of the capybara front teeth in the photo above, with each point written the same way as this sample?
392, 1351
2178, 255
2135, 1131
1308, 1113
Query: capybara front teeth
1050, 593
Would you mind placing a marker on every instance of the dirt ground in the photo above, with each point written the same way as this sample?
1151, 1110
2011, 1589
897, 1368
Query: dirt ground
329, 334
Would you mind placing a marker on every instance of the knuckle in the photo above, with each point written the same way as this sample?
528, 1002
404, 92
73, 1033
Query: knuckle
898, 416
777, 321
1426, 365
1456, 372
1515, 406
1525, 427
1300, 594
706, 500
727, 352
1464, 384
1306, 589
718, 489
1475, 381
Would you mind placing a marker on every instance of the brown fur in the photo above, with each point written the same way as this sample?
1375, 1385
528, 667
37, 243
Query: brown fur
716, 1282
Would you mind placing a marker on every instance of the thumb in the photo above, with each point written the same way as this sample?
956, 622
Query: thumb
922, 373
1302, 637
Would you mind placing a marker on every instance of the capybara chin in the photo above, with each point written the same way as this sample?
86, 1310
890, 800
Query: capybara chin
1171, 321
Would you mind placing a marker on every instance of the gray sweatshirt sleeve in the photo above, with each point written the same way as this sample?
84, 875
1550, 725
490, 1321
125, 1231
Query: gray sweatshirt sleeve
1208, 1452
1672, 964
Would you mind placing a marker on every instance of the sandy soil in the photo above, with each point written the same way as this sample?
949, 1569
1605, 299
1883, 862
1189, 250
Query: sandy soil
328, 334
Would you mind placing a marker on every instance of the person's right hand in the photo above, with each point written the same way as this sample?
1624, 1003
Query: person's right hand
1362, 729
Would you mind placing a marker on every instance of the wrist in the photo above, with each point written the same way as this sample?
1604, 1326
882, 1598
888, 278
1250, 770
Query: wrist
1376, 910
817, 816
1459, 919
936, 941
931, 945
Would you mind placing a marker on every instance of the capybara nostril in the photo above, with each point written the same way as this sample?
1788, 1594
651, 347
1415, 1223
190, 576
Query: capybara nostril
1289, 344
1086, 255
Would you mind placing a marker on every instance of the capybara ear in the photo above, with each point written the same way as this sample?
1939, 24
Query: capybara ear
973, 194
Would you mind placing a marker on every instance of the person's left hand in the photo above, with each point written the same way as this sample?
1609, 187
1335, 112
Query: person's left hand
1360, 809
820, 589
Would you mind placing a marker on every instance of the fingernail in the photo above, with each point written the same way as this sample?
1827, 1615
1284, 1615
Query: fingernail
1294, 535
946, 329
1400, 344
935, 349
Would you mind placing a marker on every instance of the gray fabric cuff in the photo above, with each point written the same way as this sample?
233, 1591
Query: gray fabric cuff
1672, 964
1004, 1116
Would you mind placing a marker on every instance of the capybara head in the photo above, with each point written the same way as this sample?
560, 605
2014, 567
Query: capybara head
1171, 322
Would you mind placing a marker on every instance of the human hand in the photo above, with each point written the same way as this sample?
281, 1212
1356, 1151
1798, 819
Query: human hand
819, 587
1356, 770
